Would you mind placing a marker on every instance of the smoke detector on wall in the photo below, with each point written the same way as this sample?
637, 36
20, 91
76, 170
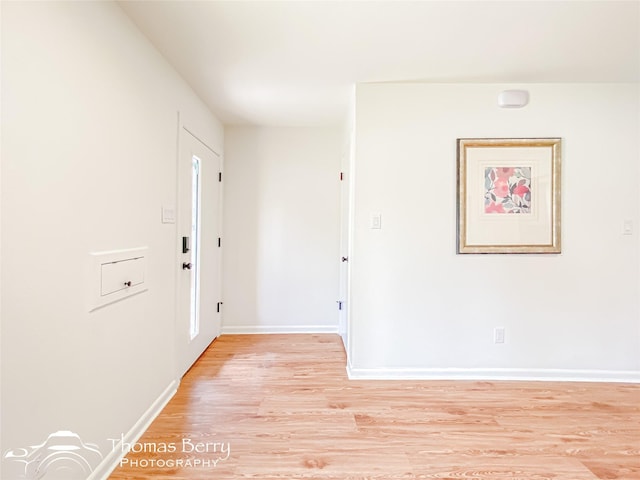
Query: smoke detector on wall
513, 99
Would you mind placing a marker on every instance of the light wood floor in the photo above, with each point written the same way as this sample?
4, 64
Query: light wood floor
286, 409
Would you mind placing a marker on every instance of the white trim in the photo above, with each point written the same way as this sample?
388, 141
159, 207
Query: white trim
201, 141
549, 375
112, 459
266, 329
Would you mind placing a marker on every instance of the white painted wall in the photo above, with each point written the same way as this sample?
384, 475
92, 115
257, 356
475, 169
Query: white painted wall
281, 229
418, 309
89, 132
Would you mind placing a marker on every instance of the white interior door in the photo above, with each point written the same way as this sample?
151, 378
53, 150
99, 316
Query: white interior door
198, 222
345, 247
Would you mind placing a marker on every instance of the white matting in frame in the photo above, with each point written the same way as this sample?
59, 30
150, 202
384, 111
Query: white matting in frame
509, 195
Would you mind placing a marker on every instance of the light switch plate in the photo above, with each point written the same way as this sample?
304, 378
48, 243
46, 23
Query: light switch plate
627, 228
168, 215
376, 221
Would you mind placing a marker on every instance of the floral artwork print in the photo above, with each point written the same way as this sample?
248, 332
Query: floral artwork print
507, 190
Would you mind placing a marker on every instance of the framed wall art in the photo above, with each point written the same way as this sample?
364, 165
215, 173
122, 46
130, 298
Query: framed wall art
509, 195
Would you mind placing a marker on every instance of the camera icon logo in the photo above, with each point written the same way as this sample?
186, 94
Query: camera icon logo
63, 455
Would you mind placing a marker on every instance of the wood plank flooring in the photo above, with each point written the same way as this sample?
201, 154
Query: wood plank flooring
281, 407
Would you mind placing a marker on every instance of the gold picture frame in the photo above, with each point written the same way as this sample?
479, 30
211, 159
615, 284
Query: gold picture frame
508, 195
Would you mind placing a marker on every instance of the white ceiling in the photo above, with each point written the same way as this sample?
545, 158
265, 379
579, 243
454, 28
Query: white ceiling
293, 63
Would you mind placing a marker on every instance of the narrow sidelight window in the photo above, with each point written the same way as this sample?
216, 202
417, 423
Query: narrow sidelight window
195, 247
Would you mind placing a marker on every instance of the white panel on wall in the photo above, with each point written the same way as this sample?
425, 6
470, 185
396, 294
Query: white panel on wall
116, 275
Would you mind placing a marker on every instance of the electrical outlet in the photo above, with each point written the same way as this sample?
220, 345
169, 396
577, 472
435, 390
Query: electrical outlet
498, 335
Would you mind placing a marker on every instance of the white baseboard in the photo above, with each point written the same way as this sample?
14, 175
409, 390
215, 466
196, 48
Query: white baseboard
266, 329
112, 459
548, 375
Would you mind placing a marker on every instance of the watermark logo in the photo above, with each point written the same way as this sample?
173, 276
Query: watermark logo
63, 455
187, 453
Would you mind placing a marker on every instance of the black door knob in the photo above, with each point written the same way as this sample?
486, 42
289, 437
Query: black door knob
186, 266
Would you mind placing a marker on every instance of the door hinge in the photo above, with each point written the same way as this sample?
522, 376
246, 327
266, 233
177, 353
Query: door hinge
219, 176
219, 242
341, 176
339, 302
218, 307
